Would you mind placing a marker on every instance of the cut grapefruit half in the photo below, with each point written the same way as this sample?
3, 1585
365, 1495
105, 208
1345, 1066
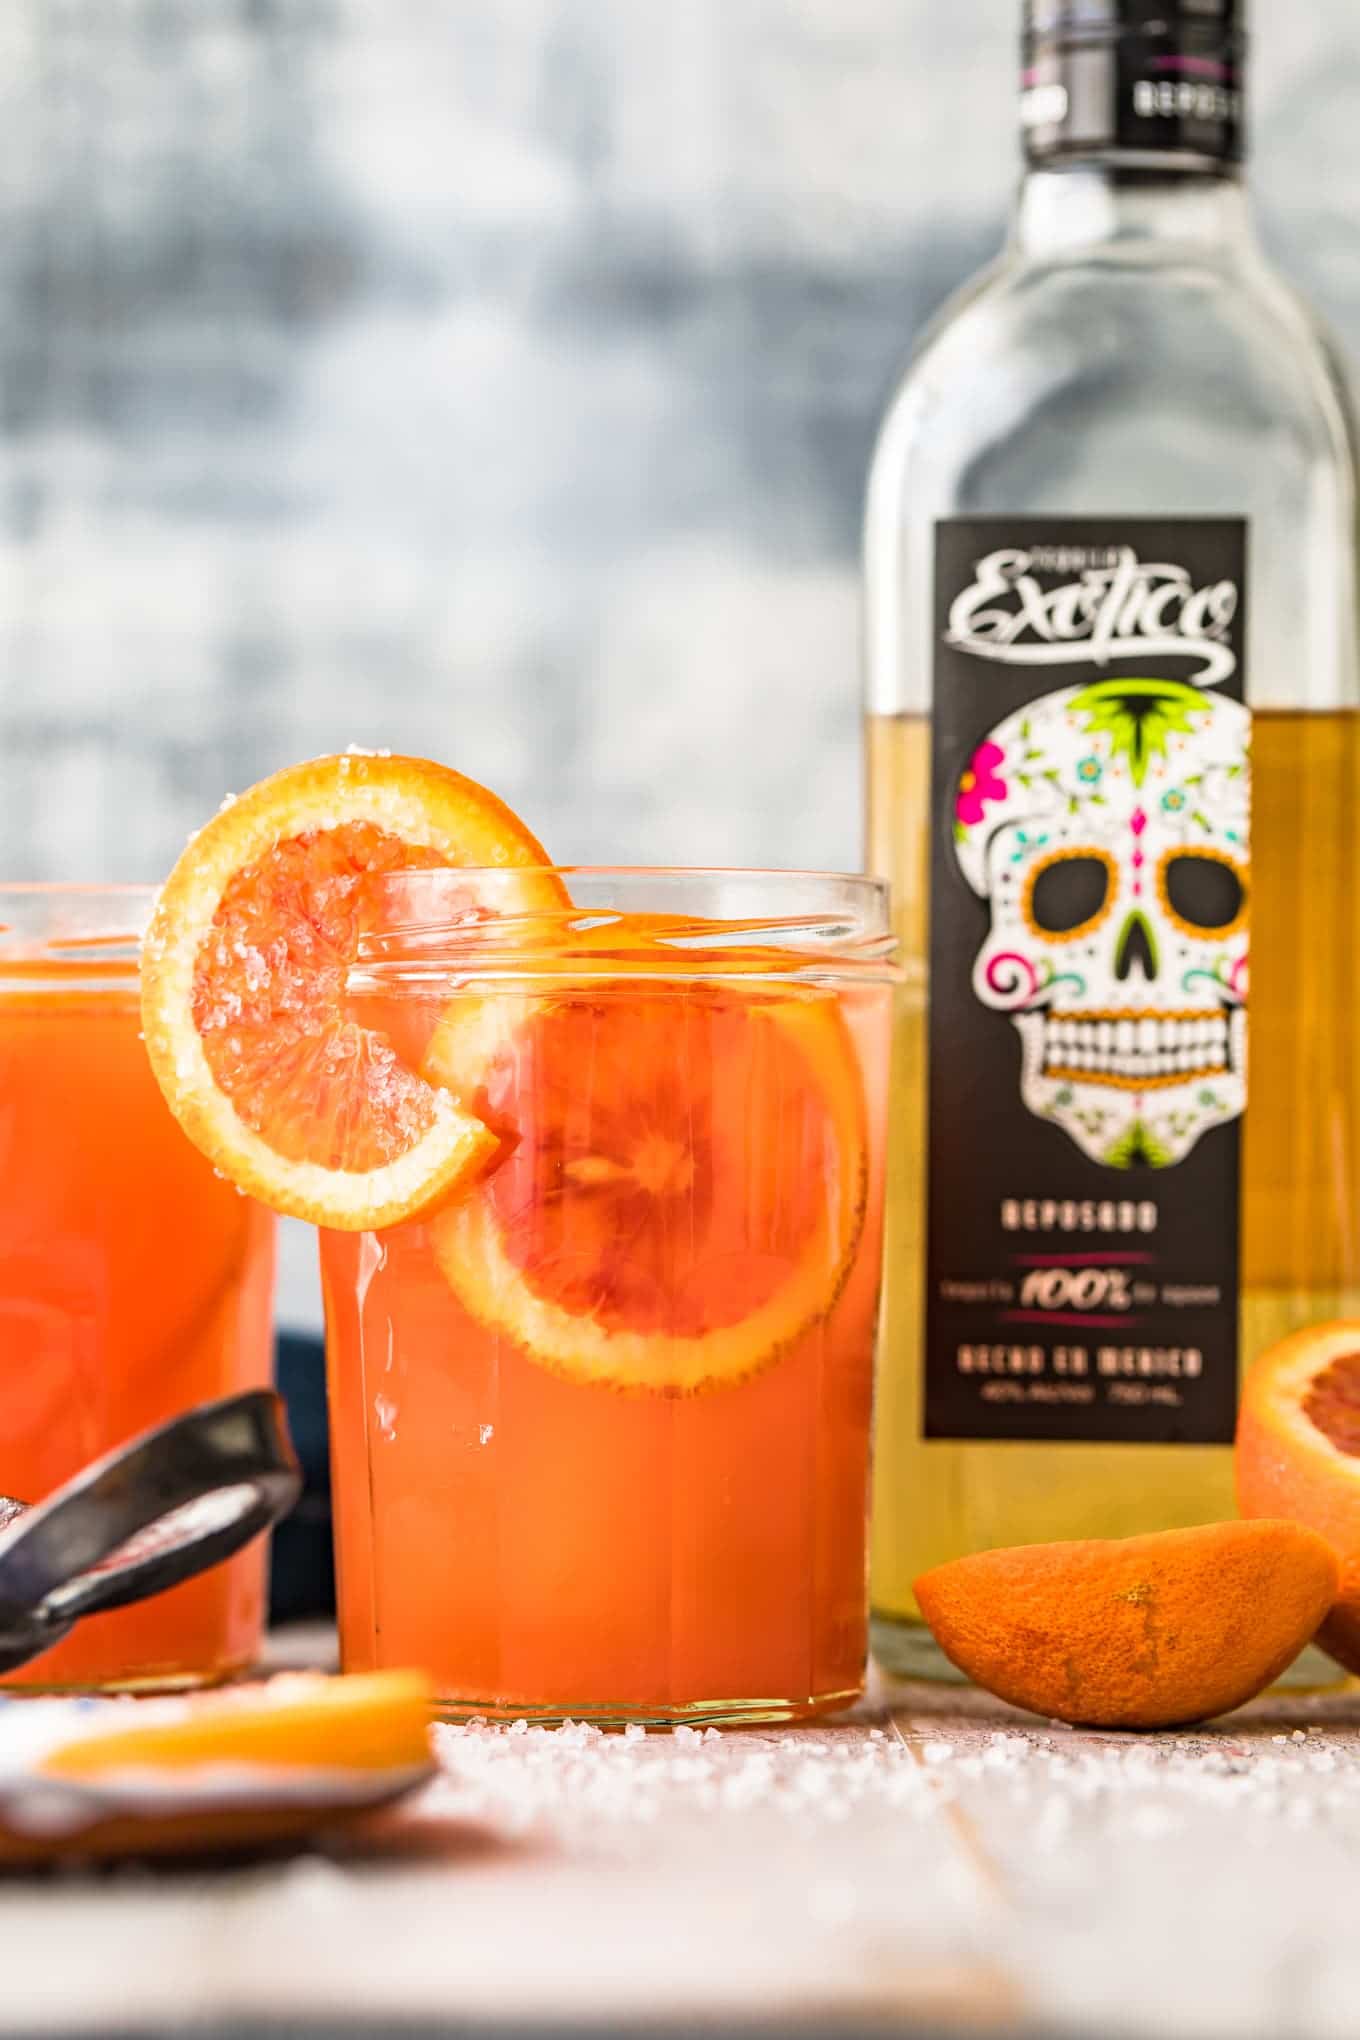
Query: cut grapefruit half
682, 1179
243, 987
1298, 1455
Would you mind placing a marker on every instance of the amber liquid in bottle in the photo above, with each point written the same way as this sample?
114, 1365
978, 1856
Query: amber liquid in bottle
1301, 1141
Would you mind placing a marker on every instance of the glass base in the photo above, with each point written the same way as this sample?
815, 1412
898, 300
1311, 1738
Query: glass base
148, 1684
694, 1714
906, 1650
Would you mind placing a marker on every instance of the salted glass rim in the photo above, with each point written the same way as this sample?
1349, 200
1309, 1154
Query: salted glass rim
63, 918
614, 868
76, 888
432, 921
835, 920
782, 876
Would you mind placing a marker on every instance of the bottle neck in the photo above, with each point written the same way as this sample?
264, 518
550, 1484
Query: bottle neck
1099, 202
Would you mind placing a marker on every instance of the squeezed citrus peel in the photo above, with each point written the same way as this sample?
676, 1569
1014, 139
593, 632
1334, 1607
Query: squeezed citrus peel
205, 963
652, 1317
1136, 1632
246, 1767
290, 1725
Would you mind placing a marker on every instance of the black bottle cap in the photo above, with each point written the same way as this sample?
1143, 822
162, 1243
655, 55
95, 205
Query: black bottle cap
169, 1505
1153, 79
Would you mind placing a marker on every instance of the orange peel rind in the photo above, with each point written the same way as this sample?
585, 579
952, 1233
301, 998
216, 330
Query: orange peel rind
1133, 1632
245, 1768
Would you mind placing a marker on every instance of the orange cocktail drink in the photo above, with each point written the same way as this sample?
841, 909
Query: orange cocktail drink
134, 1282
600, 1418
597, 1159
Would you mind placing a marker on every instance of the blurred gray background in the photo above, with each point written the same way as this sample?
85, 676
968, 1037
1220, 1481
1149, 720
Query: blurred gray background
495, 379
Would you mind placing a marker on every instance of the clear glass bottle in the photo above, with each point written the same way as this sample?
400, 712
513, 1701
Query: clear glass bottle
1088, 1234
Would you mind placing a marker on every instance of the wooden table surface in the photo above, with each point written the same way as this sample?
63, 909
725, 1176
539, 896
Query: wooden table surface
932, 1859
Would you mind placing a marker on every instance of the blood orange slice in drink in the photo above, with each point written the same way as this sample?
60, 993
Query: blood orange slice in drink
682, 1180
243, 987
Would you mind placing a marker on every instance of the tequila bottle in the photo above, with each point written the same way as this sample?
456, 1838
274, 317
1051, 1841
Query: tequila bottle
1113, 760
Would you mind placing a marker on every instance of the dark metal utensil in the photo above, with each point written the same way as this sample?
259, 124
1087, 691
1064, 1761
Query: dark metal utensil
158, 1511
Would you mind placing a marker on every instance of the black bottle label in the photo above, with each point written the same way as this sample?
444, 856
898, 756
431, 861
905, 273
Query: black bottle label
1088, 954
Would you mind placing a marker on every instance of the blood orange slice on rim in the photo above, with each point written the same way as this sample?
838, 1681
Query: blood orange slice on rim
243, 987
681, 1187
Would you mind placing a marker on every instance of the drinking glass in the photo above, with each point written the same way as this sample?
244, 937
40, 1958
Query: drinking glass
134, 1281
600, 1421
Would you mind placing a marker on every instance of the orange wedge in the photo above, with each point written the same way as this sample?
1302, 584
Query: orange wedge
1133, 1632
243, 987
237, 1769
681, 1186
368, 1722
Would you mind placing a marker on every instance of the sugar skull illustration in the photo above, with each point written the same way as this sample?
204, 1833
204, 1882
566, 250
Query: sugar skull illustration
1107, 828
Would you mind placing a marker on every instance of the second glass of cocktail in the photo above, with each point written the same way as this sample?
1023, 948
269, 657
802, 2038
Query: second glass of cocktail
134, 1282
600, 1420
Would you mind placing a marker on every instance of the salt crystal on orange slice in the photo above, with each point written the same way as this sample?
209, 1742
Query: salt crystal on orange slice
244, 969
